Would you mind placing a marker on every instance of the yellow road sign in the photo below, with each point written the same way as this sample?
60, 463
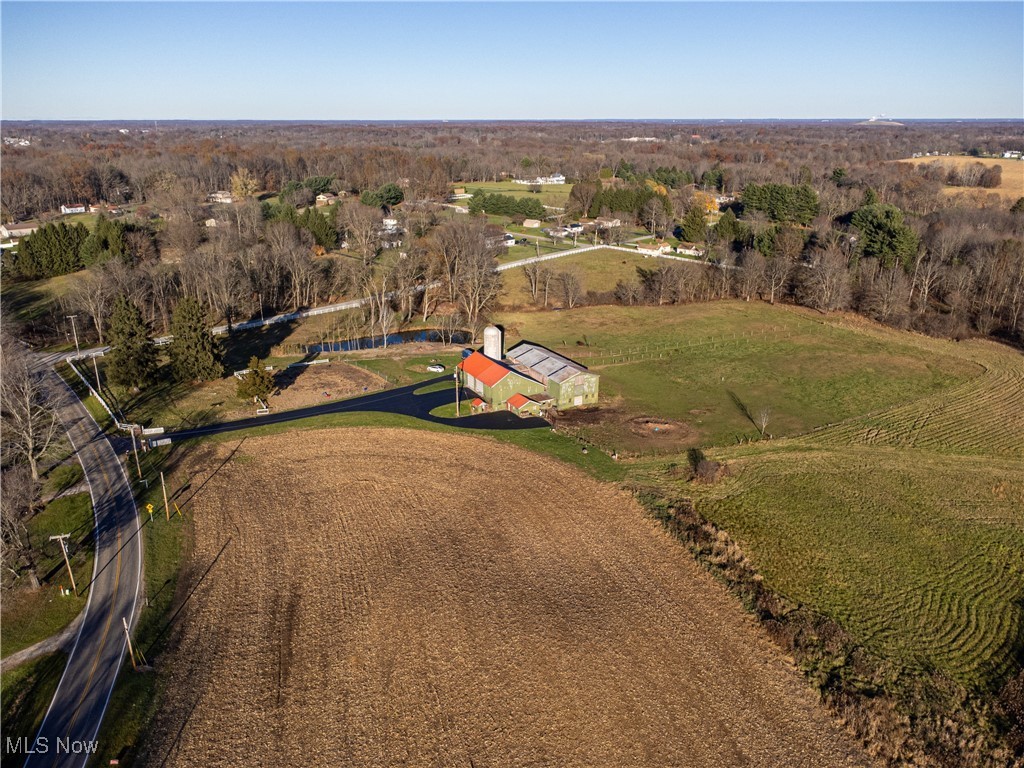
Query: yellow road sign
149, 508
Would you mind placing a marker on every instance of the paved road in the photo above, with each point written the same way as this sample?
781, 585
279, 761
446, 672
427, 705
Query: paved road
402, 400
76, 712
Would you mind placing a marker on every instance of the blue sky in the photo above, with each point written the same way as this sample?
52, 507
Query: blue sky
384, 61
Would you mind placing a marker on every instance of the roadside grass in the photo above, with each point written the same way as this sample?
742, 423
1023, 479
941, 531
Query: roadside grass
62, 477
731, 360
92, 405
31, 615
26, 692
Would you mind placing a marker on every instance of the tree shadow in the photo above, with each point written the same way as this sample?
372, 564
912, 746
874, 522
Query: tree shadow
740, 406
241, 345
288, 375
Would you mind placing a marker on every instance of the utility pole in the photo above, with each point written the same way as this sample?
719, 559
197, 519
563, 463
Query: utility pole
62, 538
96, 368
135, 448
167, 507
74, 329
131, 648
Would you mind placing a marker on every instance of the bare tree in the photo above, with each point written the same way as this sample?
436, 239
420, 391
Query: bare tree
570, 284
532, 273
825, 283
16, 494
478, 286
362, 227
29, 415
93, 294
764, 416
750, 277
776, 275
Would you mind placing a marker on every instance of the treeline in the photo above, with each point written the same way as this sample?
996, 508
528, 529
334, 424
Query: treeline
91, 163
783, 202
963, 175
59, 249
945, 285
506, 205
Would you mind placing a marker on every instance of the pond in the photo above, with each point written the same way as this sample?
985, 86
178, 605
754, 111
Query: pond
373, 342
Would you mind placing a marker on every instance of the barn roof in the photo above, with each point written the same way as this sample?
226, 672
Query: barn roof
517, 400
483, 369
543, 363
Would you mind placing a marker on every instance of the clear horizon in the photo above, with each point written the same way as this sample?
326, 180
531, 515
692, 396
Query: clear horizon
427, 62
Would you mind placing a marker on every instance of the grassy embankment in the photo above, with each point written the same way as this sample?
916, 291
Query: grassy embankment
31, 615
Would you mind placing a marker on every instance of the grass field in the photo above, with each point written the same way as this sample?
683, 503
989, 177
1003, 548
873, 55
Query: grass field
906, 525
555, 195
598, 270
536, 628
706, 370
28, 615
28, 299
1011, 188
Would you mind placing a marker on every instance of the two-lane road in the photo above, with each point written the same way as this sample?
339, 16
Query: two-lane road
68, 732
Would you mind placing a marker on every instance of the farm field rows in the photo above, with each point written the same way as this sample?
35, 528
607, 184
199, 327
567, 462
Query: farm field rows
476, 621
906, 526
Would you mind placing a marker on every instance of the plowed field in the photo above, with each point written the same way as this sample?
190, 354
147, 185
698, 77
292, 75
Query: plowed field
396, 597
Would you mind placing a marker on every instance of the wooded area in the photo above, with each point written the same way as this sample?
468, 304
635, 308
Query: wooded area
817, 214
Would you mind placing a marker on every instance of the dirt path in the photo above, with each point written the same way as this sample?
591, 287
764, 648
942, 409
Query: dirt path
397, 597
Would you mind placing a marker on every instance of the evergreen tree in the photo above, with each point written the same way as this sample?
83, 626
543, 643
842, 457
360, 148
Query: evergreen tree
195, 353
132, 358
53, 249
106, 241
258, 382
693, 227
320, 227
884, 236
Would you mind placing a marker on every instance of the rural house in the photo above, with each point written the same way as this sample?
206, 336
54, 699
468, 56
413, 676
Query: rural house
73, 208
528, 380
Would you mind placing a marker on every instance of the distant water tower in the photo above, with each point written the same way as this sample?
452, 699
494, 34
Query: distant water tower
493, 342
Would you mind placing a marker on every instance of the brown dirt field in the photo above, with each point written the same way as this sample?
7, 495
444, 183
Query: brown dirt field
307, 385
1011, 188
398, 597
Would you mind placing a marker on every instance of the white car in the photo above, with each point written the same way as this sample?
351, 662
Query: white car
436, 368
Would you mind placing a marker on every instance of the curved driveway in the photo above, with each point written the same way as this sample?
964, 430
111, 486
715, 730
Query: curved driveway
403, 401
77, 709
